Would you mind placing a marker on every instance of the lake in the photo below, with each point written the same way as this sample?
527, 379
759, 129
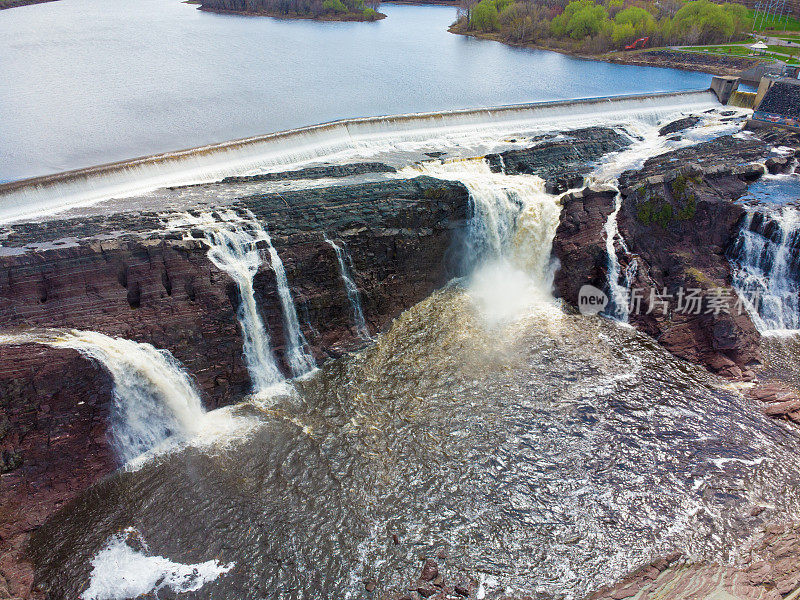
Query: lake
87, 82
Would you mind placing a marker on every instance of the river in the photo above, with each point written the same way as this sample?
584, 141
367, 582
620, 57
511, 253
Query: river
87, 82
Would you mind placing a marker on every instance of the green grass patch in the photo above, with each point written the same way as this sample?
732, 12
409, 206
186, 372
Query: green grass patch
785, 23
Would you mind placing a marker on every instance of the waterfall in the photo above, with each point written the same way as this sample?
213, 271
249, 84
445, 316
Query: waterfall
349, 139
297, 353
154, 398
353, 295
512, 225
233, 247
618, 308
766, 257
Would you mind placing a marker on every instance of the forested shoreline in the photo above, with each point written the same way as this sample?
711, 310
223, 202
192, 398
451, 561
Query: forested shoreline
332, 10
590, 27
16, 3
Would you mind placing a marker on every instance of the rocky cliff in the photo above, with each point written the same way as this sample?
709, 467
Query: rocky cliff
125, 275
679, 216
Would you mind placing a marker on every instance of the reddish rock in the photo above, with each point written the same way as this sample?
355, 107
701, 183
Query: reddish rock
579, 244
430, 570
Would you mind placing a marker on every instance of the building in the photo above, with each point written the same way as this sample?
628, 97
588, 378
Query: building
778, 103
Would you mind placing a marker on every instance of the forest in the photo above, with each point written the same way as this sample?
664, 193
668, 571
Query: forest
595, 27
362, 10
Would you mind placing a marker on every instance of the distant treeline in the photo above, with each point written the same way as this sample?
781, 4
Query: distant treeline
367, 9
594, 27
15, 3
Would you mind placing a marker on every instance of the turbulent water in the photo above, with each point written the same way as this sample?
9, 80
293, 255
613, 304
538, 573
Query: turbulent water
768, 270
548, 452
554, 453
155, 403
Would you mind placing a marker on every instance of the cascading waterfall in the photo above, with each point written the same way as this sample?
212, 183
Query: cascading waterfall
512, 225
297, 353
619, 282
155, 400
618, 309
353, 295
767, 274
233, 247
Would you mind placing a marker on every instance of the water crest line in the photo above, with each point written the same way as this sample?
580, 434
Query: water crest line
351, 138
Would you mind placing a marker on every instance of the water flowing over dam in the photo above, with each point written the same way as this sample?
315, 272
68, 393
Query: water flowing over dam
332, 141
534, 450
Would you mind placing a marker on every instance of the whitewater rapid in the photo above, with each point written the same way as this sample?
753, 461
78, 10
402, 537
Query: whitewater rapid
354, 139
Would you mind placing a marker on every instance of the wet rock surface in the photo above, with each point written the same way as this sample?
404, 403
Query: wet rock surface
579, 244
562, 161
127, 276
679, 125
320, 172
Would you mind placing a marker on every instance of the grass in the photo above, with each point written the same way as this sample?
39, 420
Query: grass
785, 50
785, 23
741, 49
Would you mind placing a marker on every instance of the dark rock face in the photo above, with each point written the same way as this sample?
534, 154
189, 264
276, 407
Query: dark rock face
679, 219
153, 286
678, 125
579, 244
316, 173
561, 162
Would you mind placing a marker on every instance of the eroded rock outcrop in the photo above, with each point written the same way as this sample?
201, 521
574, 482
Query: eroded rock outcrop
579, 244
126, 275
679, 217
563, 160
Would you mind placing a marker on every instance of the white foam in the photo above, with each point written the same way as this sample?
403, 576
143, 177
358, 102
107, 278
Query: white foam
120, 572
341, 140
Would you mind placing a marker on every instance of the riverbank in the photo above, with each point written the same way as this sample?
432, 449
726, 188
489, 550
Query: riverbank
657, 57
16, 3
365, 17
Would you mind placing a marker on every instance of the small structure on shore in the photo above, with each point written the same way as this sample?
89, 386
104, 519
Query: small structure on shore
778, 103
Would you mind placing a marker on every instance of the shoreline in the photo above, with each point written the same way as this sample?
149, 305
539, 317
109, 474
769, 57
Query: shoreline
666, 58
18, 3
349, 17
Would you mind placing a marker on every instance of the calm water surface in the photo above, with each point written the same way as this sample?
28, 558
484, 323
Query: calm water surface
92, 81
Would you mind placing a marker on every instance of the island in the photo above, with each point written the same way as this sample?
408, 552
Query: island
16, 3
321, 10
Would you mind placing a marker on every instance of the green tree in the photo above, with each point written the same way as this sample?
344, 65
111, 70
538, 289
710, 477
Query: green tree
580, 19
639, 19
484, 16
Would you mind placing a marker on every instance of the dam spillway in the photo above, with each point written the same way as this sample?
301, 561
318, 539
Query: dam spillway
572, 448
338, 140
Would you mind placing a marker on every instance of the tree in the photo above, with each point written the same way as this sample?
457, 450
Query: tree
485, 17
